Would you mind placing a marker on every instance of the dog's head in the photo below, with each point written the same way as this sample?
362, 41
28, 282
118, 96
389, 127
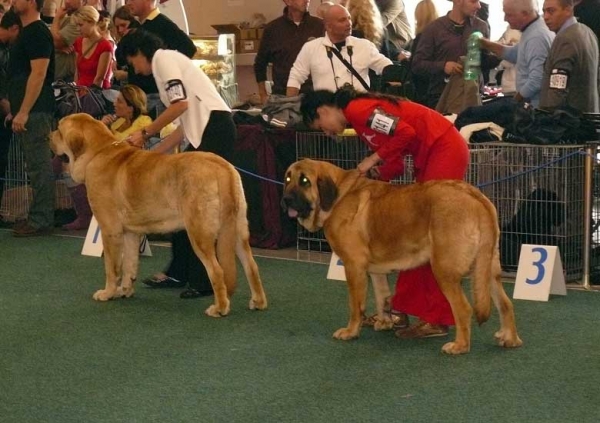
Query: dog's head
310, 191
78, 138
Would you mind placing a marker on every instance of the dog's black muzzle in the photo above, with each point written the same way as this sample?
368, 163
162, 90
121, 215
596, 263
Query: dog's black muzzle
296, 206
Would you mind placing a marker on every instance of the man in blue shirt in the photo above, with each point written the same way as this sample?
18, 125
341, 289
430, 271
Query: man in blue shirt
530, 53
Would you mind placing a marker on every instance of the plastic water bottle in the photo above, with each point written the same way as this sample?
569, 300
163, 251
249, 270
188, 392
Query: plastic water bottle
472, 68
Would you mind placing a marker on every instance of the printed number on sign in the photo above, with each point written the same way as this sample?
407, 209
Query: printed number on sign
539, 265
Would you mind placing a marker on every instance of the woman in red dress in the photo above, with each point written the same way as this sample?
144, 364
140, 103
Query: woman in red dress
392, 128
94, 52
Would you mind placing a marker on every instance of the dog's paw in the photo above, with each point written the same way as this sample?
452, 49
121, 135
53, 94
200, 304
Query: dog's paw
383, 324
125, 292
104, 295
345, 334
508, 340
213, 311
454, 348
258, 304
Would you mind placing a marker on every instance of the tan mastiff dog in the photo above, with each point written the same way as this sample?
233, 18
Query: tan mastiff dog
133, 192
377, 228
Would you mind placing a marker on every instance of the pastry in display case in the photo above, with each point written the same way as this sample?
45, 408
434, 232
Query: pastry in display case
215, 55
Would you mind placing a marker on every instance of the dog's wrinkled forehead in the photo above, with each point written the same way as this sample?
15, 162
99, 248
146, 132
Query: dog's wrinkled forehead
299, 175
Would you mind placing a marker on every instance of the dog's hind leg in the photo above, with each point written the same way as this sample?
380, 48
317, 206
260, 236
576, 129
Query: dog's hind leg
381, 288
258, 298
113, 259
226, 256
131, 256
461, 310
507, 335
449, 279
201, 239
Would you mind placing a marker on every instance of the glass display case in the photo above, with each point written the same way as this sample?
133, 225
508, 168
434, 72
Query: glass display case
215, 55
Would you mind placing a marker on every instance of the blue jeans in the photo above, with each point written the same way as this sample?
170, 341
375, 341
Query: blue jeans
35, 143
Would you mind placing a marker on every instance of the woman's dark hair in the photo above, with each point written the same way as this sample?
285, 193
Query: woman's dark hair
311, 101
140, 41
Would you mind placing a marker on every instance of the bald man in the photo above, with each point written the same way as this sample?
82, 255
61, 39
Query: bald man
319, 59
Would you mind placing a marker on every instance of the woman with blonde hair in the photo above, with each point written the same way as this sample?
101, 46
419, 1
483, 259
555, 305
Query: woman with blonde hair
131, 115
93, 51
130, 112
425, 13
93, 54
366, 20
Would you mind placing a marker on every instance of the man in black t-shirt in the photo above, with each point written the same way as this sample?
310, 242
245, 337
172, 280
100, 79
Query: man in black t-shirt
10, 26
160, 25
31, 69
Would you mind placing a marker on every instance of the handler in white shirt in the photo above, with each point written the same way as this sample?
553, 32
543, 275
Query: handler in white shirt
326, 69
206, 122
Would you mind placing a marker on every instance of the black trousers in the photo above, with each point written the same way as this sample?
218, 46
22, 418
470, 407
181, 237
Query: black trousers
218, 138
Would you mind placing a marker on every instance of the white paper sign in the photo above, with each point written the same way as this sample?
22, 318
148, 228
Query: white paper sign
540, 273
94, 247
93, 240
336, 271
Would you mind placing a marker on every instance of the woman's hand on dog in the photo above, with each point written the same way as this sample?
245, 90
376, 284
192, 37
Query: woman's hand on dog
136, 139
365, 166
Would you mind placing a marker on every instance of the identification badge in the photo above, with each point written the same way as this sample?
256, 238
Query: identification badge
382, 122
175, 91
559, 78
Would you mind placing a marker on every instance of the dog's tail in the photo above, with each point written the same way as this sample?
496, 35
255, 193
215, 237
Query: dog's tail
487, 262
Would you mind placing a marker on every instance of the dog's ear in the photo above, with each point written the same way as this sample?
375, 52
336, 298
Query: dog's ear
328, 192
76, 144
73, 138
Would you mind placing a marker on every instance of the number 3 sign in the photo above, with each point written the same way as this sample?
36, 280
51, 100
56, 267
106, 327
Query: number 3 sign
539, 274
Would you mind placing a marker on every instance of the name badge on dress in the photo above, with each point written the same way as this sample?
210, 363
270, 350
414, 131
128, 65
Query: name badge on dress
383, 122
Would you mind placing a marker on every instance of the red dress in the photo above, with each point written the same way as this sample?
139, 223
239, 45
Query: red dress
439, 152
88, 66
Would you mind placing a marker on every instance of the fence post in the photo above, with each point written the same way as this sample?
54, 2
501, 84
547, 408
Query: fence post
589, 161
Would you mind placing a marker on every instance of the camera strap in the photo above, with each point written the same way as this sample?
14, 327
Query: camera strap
353, 71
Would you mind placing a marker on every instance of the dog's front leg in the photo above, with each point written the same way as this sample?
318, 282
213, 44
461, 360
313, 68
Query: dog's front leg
357, 296
131, 256
113, 253
381, 288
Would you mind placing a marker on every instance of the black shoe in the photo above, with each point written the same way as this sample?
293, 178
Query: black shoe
27, 230
194, 293
167, 282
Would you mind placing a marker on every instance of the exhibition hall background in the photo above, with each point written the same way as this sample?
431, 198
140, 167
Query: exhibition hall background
203, 13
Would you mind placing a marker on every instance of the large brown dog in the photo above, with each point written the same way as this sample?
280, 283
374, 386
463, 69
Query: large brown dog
133, 192
376, 228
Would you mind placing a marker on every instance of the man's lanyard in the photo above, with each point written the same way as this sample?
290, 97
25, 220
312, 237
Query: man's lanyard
330, 52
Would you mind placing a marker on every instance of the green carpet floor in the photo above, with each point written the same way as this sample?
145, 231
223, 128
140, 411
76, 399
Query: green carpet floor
156, 358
